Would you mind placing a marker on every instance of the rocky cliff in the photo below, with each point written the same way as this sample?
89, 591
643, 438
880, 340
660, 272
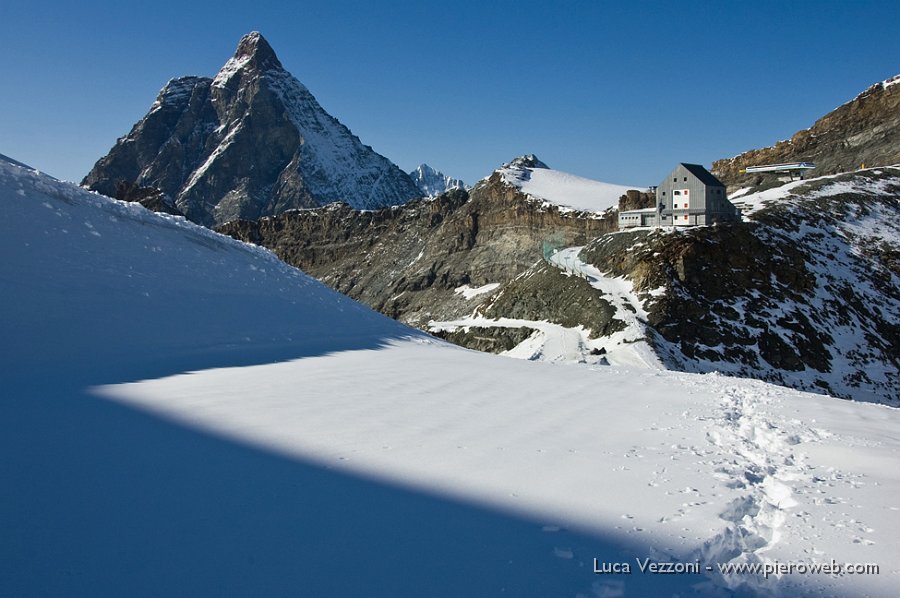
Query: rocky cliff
250, 142
862, 131
417, 262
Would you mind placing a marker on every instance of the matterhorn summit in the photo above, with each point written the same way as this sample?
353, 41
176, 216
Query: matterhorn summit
250, 142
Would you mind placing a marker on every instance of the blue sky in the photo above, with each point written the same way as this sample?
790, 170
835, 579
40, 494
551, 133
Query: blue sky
614, 91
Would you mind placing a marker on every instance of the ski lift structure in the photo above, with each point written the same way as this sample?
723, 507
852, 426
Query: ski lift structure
790, 169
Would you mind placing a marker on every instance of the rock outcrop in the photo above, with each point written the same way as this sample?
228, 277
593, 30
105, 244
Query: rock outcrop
150, 197
251, 142
636, 200
544, 293
862, 131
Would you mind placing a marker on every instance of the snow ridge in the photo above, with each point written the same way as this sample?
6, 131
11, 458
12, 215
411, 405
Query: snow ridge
882, 86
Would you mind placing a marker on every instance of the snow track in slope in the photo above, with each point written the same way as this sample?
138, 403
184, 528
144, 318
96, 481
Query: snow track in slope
627, 347
756, 456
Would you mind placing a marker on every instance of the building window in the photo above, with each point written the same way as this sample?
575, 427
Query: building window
675, 179
685, 205
676, 192
685, 179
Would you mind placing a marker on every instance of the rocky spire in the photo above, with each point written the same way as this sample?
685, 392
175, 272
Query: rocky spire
254, 50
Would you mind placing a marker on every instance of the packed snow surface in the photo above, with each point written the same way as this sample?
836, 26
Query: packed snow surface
564, 189
183, 414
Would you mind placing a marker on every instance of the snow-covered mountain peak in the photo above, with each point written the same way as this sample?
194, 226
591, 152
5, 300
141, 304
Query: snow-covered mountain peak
526, 161
254, 55
251, 142
255, 47
541, 182
432, 182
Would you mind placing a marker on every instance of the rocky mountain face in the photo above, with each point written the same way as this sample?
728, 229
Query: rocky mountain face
862, 131
805, 293
432, 183
250, 142
413, 262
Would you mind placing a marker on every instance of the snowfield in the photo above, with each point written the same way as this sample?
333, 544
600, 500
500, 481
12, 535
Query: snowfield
183, 414
564, 189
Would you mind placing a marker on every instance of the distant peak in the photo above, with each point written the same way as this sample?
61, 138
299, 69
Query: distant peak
253, 47
425, 169
527, 161
433, 182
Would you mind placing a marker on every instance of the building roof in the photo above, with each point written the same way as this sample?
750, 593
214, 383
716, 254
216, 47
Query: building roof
705, 176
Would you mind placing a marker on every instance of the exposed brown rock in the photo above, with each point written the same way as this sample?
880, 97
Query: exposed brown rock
636, 200
406, 261
862, 131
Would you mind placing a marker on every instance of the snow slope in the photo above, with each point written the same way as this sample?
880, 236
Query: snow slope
847, 226
754, 202
564, 189
185, 415
139, 285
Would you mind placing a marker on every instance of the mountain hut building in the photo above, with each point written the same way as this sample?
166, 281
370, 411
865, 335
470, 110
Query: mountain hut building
689, 196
